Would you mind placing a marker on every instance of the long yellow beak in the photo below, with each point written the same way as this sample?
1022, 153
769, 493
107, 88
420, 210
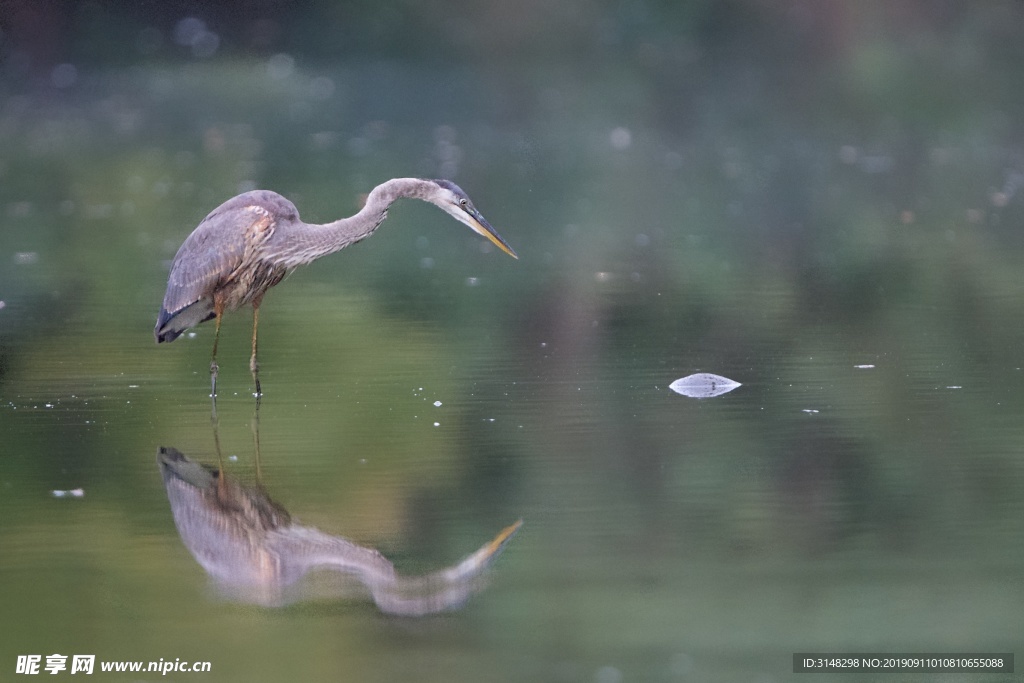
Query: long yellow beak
480, 225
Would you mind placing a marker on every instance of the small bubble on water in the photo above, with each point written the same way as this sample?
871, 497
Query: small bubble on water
437, 424
281, 67
233, 458
438, 404
810, 411
620, 138
864, 367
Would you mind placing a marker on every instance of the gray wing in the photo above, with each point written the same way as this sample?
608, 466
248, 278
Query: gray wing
206, 260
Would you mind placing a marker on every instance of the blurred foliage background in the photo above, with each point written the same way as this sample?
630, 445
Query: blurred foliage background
775, 191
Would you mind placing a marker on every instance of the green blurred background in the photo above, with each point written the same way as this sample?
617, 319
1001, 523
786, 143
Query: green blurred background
778, 192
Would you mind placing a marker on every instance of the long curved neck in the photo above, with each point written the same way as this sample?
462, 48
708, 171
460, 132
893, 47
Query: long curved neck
315, 241
375, 210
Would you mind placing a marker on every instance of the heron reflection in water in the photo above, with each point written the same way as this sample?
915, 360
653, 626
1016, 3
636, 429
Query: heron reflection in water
253, 241
254, 552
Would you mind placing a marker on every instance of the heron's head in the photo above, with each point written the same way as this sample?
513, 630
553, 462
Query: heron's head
454, 202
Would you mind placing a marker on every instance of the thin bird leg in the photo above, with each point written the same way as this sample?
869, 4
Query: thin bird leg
215, 423
213, 360
254, 366
256, 440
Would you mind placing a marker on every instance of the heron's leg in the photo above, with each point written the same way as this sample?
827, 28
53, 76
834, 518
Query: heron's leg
215, 423
256, 440
254, 366
213, 360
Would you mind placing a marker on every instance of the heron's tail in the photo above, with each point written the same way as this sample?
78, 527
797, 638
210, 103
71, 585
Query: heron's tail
170, 326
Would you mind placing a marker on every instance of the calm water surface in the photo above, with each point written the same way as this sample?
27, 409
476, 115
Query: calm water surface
863, 490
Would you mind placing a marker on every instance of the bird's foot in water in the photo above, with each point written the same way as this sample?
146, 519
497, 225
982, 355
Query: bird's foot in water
254, 368
214, 369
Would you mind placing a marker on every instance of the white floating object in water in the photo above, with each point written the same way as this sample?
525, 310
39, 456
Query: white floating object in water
810, 411
703, 385
73, 493
864, 367
437, 403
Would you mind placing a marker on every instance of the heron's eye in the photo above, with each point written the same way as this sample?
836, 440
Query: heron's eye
464, 203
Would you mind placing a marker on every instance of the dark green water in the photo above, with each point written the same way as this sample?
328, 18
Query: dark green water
837, 226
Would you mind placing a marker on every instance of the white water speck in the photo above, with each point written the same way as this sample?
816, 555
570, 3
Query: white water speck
810, 411
233, 458
620, 138
864, 367
437, 403
954, 386
73, 493
437, 424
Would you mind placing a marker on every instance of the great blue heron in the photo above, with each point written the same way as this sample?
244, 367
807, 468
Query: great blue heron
251, 242
255, 552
